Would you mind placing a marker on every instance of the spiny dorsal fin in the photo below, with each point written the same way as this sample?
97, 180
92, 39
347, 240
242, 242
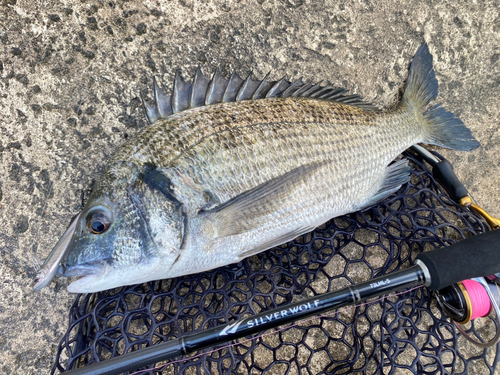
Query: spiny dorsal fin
232, 88
300, 90
163, 105
292, 88
312, 90
181, 95
150, 111
278, 88
247, 89
204, 91
199, 91
263, 87
216, 89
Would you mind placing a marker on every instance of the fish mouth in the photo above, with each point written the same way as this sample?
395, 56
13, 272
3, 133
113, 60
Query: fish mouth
91, 272
84, 269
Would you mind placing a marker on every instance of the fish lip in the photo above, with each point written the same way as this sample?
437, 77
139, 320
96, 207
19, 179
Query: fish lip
81, 285
85, 269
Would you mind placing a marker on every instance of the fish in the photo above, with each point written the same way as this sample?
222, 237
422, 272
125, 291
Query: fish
228, 168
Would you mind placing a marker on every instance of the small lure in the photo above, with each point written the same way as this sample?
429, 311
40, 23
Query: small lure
53, 261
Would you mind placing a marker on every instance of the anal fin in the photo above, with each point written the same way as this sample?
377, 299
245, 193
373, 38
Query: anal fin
396, 175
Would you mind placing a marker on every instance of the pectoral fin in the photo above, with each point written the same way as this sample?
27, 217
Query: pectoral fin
254, 208
284, 238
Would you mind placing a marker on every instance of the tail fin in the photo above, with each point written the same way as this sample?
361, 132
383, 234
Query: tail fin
444, 129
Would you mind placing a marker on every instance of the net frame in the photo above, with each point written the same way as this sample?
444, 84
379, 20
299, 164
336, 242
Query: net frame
404, 332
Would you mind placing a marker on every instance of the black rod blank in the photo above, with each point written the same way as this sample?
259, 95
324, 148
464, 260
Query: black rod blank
349, 295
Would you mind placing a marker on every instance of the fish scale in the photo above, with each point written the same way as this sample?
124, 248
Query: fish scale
229, 168
290, 135
211, 159
288, 151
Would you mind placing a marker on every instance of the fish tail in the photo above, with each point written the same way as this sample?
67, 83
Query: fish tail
442, 127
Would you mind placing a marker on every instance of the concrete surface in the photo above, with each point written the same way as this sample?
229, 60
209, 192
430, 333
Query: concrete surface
71, 73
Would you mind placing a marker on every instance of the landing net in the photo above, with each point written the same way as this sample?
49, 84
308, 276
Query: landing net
402, 332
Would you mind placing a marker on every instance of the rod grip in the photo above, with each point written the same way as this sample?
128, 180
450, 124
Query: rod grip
475, 256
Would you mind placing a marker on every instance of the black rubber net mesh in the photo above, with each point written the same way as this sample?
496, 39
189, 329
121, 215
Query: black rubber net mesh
399, 334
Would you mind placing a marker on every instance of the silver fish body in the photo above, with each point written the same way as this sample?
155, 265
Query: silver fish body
322, 168
210, 185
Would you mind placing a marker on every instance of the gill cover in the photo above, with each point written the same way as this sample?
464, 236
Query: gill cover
163, 214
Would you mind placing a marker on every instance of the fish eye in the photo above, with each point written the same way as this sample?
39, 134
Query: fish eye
98, 222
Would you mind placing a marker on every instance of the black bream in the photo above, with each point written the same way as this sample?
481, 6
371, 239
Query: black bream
227, 169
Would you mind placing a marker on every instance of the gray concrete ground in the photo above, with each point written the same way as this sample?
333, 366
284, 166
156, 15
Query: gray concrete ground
71, 73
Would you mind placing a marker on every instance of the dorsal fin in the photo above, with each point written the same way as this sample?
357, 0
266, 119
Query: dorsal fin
333, 94
232, 88
162, 100
302, 89
262, 89
247, 89
277, 88
199, 90
312, 90
294, 87
216, 89
181, 94
150, 111
204, 91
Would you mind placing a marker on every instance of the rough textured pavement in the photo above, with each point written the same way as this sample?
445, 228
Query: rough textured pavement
71, 73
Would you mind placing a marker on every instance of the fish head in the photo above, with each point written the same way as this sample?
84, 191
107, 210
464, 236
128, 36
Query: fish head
128, 237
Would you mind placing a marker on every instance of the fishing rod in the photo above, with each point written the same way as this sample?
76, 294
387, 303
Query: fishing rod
443, 271
467, 299
478, 256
